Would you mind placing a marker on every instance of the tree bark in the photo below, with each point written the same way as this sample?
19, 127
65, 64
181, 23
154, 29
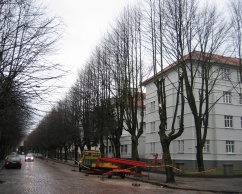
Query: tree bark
170, 178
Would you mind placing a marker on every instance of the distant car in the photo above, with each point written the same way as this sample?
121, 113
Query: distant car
38, 155
13, 161
29, 157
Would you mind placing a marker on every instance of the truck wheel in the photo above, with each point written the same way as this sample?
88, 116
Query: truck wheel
122, 175
109, 176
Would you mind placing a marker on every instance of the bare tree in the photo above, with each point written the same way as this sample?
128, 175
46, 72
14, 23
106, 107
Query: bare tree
116, 61
130, 25
27, 35
156, 23
235, 7
191, 29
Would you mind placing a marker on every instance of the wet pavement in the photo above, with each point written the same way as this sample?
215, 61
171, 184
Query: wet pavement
196, 184
220, 185
42, 177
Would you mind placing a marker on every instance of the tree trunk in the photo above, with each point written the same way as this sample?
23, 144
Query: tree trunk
200, 162
61, 154
76, 153
102, 145
170, 178
66, 150
117, 149
135, 152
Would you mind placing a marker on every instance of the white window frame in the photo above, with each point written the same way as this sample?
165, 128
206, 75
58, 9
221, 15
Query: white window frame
109, 149
144, 125
225, 74
228, 121
152, 147
125, 149
178, 121
199, 71
122, 148
202, 122
180, 146
227, 97
144, 113
241, 122
152, 106
206, 147
200, 96
152, 126
230, 147
239, 76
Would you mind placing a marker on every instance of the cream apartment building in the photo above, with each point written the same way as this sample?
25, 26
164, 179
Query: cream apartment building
224, 138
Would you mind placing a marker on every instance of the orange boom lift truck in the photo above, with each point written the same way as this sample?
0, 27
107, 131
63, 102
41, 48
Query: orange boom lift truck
92, 162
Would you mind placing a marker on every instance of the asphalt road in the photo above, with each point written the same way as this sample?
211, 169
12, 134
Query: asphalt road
41, 176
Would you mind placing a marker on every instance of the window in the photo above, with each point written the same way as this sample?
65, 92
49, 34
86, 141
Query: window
202, 124
152, 126
225, 74
206, 146
227, 97
152, 147
109, 149
152, 106
239, 76
202, 95
144, 125
180, 146
199, 71
241, 121
143, 113
178, 121
229, 147
240, 98
124, 149
228, 121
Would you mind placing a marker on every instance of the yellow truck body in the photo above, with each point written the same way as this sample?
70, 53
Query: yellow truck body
88, 161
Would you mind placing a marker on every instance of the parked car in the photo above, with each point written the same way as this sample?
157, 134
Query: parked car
13, 161
14, 153
29, 157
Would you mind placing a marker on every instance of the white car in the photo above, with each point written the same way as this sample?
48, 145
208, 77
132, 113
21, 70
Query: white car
29, 157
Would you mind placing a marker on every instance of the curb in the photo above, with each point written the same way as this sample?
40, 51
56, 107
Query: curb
182, 188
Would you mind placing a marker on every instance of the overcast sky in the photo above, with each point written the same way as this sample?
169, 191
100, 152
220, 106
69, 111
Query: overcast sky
86, 23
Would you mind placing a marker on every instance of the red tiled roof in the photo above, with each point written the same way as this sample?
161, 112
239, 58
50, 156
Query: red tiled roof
197, 55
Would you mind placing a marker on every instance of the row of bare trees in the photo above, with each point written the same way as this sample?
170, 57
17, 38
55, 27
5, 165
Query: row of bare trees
26, 36
103, 102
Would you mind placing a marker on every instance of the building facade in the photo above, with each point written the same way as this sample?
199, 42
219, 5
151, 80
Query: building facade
224, 137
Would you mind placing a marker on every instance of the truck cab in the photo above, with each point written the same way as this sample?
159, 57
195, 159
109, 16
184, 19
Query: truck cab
88, 159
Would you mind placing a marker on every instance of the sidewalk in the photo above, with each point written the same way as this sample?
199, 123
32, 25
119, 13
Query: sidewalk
216, 185
203, 184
